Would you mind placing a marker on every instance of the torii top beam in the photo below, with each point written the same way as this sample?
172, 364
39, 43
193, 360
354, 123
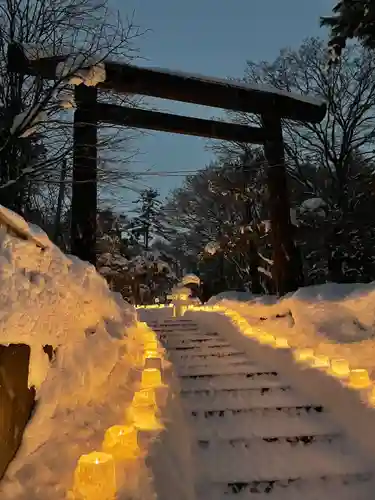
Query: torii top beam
184, 87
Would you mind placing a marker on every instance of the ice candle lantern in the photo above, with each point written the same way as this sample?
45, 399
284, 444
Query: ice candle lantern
95, 477
281, 343
303, 355
151, 377
340, 368
143, 411
321, 361
121, 441
151, 345
266, 339
359, 379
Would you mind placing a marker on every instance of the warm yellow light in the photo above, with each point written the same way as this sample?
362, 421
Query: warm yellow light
371, 396
321, 361
281, 343
144, 397
303, 355
121, 441
250, 332
151, 353
143, 416
151, 377
266, 338
359, 379
95, 477
340, 368
151, 345
153, 362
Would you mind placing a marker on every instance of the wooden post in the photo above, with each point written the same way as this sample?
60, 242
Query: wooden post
84, 189
16, 400
60, 201
287, 267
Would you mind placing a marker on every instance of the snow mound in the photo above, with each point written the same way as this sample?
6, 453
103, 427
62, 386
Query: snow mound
49, 298
231, 295
337, 320
189, 279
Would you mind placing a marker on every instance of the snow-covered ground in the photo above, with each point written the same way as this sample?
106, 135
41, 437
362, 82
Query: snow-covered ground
253, 431
49, 298
331, 326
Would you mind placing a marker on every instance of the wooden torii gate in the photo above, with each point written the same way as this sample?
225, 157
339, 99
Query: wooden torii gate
271, 104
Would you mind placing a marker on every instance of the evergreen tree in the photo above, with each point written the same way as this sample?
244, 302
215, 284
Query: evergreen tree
146, 224
351, 19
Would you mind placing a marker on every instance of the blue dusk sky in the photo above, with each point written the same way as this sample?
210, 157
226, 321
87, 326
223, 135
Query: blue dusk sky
213, 38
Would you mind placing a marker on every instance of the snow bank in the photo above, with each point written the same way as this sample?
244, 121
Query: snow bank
231, 295
333, 319
49, 298
328, 325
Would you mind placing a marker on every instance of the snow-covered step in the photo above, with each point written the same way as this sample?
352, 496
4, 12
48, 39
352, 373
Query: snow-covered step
228, 380
251, 399
198, 338
220, 365
265, 410
349, 487
219, 369
188, 345
261, 424
278, 461
208, 394
207, 355
254, 434
252, 442
216, 345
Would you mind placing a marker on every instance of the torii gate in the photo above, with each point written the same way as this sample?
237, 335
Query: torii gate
272, 105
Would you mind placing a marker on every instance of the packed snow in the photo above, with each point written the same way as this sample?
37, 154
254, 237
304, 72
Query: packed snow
242, 85
27, 122
79, 69
329, 323
47, 297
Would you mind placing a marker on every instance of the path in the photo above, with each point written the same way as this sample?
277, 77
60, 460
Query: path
255, 435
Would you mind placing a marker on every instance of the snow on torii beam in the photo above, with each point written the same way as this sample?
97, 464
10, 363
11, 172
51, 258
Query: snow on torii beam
271, 104
184, 87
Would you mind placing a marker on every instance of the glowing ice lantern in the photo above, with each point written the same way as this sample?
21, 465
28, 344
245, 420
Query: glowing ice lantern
303, 355
340, 368
321, 361
250, 332
144, 397
121, 441
281, 343
151, 377
266, 338
95, 477
151, 345
183, 310
142, 411
371, 396
359, 379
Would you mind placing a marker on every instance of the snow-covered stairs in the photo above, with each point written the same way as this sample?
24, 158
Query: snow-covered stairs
255, 436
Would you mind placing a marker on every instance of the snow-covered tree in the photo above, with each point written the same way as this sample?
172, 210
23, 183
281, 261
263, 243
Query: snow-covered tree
146, 224
350, 19
331, 161
217, 215
35, 132
139, 275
